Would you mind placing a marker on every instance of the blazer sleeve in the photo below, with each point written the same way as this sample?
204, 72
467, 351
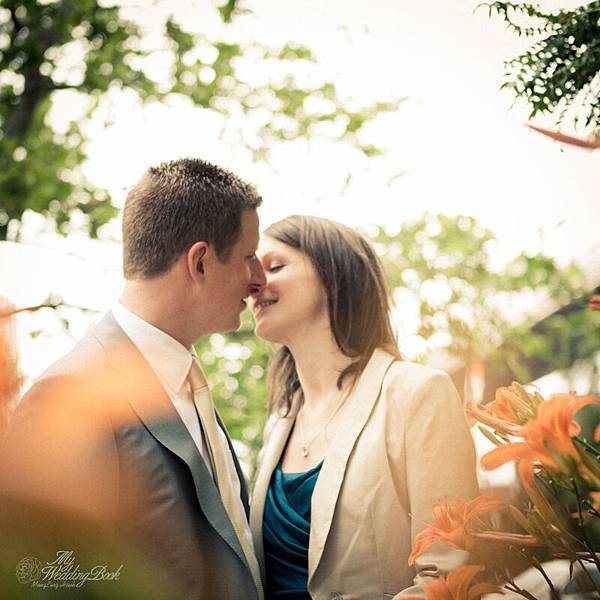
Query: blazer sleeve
440, 467
59, 451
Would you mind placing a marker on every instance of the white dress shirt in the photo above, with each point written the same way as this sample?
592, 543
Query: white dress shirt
171, 362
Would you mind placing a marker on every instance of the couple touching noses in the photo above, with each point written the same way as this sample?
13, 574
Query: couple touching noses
358, 444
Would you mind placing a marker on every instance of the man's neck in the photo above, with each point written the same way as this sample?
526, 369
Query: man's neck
152, 301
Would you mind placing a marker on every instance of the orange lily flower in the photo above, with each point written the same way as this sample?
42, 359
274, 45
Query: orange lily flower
526, 468
454, 524
546, 438
502, 407
514, 539
509, 400
10, 378
513, 407
484, 416
457, 586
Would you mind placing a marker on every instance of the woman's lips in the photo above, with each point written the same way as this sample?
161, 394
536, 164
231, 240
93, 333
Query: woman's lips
262, 305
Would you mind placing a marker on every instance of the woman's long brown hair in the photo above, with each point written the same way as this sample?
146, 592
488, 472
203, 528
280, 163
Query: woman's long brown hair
358, 299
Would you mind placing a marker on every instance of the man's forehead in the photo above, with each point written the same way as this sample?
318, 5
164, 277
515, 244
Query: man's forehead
250, 227
250, 218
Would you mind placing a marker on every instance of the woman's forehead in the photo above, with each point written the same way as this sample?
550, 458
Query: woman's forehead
268, 245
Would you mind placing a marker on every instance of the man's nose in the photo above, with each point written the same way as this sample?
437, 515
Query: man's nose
257, 276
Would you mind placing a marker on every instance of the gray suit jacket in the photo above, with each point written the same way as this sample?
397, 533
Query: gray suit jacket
97, 436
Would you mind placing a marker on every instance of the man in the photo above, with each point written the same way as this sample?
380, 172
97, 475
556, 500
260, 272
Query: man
122, 430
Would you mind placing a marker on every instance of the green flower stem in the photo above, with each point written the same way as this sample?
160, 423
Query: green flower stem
513, 587
588, 447
586, 541
537, 565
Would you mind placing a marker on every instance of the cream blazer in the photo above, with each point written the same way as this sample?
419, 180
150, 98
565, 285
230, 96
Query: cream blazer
402, 444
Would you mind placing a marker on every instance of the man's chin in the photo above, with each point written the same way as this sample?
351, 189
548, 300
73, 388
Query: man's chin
233, 326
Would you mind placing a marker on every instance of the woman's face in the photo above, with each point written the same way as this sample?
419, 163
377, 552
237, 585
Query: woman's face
293, 297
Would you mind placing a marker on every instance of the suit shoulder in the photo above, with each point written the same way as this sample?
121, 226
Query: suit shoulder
81, 382
86, 357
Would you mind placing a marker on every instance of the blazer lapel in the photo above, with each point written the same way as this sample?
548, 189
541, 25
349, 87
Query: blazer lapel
151, 403
327, 489
271, 456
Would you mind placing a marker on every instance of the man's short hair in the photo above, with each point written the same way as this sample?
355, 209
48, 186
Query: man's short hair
176, 204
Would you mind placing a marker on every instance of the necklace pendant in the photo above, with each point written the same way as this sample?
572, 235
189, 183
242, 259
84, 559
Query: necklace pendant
304, 451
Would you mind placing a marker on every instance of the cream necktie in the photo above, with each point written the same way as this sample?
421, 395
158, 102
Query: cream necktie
222, 469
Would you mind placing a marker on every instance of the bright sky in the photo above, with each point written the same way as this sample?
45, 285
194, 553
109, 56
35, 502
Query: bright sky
462, 146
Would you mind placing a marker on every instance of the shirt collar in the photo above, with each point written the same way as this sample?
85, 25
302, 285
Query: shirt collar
169, 359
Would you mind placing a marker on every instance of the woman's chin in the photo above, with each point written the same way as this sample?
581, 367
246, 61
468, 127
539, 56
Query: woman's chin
264, 332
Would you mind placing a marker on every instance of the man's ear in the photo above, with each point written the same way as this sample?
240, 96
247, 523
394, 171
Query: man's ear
195, 259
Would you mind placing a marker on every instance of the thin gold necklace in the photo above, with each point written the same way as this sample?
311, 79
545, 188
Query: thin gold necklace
306, 445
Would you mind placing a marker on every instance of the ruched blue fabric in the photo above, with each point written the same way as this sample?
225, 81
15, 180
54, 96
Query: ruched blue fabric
286, 530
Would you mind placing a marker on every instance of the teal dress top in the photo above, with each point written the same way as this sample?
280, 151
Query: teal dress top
286, 530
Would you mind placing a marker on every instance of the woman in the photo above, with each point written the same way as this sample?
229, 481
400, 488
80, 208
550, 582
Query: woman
359, 443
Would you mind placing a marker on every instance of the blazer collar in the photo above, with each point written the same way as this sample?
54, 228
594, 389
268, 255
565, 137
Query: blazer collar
152, 405
356, 414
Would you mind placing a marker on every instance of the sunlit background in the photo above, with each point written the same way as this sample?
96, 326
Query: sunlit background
455, 145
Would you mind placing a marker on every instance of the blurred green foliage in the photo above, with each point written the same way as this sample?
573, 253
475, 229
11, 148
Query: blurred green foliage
465, 304
559, 72
472, 306
88, 48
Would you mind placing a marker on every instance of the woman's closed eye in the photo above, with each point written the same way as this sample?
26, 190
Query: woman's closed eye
274, 268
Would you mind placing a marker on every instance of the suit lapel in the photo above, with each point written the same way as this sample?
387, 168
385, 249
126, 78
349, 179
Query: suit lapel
327, 489
151, 403
272, 454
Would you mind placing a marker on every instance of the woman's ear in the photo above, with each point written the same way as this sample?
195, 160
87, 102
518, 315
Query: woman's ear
195, 259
